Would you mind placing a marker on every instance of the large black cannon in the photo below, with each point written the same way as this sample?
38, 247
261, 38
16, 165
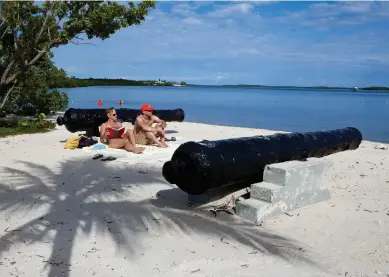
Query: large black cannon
89, 120
197, 167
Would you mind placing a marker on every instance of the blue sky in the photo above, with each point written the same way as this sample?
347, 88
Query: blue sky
340, 43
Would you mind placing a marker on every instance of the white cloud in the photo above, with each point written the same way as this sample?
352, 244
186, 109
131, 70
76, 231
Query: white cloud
219, 38
184, 9
327, 15
236, 43
192, 20
232, 9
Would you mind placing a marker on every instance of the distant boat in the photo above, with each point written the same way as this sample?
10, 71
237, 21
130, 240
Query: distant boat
178, 85
355, 89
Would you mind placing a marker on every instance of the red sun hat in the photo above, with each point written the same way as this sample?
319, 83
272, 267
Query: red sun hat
147, 107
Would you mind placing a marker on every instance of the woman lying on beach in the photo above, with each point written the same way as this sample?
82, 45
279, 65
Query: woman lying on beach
122, 140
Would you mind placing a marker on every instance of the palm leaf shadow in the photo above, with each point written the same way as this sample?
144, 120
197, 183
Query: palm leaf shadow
85, 193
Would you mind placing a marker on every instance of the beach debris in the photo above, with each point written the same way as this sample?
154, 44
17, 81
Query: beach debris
223, 240
337, 187
227, 207
293, 213
381, 147
110, 158
196, 270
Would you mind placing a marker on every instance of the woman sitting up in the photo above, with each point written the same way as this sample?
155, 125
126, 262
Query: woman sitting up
112, 133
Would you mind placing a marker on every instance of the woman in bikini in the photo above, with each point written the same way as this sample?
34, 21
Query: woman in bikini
127, 141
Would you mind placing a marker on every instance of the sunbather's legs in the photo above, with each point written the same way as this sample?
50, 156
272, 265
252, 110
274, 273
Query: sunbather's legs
130, 136
124, 143
153, 136
116, 143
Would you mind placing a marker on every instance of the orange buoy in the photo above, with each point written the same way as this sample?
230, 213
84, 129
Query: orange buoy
99, 103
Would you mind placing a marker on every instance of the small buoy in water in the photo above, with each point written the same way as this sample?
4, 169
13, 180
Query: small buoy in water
99, 103
120, 102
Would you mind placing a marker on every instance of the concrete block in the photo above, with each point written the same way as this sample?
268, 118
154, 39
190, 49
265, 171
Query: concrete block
286, 186
256, 211
267, 192
294, 173
293, 196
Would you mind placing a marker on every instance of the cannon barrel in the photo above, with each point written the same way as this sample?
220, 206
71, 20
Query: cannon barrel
90, 119
197, 167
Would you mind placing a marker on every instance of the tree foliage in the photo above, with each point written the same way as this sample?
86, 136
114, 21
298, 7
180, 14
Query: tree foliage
32, 95
29, 31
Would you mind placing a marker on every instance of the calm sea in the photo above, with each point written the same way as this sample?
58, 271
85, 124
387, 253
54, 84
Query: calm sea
296, 110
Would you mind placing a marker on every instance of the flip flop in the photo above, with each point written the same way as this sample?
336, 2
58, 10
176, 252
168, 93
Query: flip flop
110, 158
171, 139
97, 156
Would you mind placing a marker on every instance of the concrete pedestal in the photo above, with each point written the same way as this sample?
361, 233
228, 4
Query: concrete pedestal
286, 186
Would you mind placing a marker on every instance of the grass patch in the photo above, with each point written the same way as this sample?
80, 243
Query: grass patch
34, 126
5, 132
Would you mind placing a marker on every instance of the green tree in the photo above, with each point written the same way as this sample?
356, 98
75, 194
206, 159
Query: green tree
32, 95
28, 31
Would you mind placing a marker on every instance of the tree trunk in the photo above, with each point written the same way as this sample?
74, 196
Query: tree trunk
5, 92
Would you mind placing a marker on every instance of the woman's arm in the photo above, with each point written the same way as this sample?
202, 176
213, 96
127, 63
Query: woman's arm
103, 131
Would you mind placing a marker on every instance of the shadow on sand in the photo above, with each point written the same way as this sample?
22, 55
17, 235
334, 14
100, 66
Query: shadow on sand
82, 192
168, 132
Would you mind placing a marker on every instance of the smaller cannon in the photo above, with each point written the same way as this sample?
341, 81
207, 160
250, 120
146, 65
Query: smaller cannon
198, 167
89, 120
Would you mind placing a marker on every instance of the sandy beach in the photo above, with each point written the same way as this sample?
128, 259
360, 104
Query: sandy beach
65, 214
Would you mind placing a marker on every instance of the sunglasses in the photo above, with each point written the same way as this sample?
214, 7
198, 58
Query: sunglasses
114, 114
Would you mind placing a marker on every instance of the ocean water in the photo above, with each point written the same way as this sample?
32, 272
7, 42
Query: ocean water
295, 110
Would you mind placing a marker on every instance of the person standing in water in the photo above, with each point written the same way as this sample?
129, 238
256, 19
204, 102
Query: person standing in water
127, 141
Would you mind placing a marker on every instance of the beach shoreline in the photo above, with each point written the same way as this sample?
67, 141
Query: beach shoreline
64, 214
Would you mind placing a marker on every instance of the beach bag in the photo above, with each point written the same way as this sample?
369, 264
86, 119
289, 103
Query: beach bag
72, 142
86, 142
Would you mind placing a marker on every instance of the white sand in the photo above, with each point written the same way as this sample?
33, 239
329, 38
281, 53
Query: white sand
64, 214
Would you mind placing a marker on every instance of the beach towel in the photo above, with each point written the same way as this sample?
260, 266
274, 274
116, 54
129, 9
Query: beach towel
72, 142
151, 153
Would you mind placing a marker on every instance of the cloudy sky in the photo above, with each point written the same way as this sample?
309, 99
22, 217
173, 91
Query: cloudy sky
272, 43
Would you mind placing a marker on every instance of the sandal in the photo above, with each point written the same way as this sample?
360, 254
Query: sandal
108, 159
97, 156
171, 139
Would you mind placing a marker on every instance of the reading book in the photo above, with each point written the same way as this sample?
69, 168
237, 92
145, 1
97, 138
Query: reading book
113, 133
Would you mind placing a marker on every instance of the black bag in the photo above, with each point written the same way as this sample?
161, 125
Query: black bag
85, 142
